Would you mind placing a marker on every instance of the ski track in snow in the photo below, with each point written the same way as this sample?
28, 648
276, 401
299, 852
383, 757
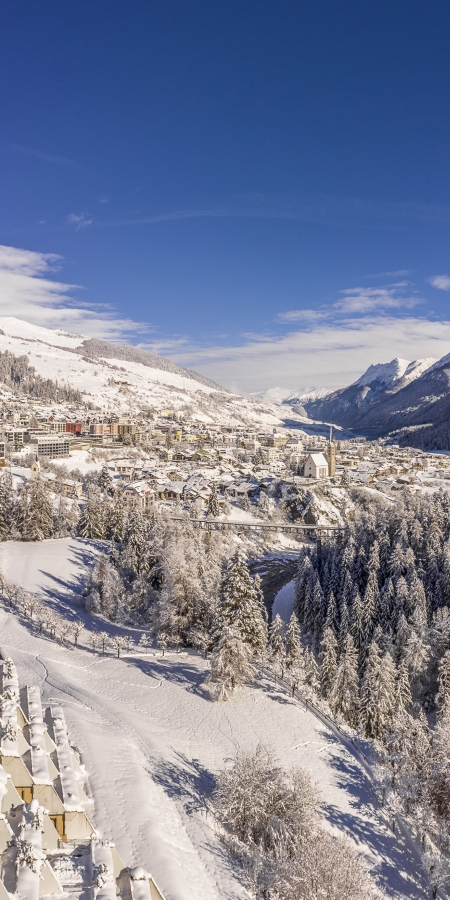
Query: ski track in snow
152, 741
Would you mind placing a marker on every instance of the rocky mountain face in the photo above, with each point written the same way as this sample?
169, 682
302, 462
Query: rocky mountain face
411, 400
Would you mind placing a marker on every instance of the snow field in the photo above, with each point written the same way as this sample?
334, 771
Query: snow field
152, 741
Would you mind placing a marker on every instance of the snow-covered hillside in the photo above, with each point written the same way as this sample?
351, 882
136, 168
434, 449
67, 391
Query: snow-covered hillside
152, 741
279, 395
396, 371
122, 378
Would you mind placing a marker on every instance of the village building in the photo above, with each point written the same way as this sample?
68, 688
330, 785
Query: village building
316, 466
138, 495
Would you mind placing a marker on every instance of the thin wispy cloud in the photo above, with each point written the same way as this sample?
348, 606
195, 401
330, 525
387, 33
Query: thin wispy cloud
38, 154
442, 282
359, 300
320, 210
366, 300
80, 220
29, 291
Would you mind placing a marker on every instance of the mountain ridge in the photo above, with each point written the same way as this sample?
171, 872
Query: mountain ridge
120, 377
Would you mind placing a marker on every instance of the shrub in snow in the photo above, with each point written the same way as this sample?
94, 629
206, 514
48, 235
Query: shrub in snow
271, 822
27, 855
102, 875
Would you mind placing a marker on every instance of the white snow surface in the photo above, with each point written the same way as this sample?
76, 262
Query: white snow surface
279, 395
396, 370
152, 741
53, 354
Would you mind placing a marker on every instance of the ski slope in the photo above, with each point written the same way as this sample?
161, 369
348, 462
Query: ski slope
152, 741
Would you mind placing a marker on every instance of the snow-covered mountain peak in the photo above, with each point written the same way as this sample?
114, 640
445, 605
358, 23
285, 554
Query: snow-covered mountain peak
279, 395
398, 369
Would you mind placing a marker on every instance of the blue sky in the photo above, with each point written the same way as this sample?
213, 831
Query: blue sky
260, 190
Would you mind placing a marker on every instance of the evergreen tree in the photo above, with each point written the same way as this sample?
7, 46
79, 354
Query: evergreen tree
439, 765
6, 505
331, 620
344, 697
277, 646
344, 624
293, 643
328, 665
443, 694
417, 657
135, 553
115, 527
403, 699
230, 662
34, 511
106, 481
377, 693
356, 626
91, 522
239, 604
311, 669
213, 503
318, 604
371, 600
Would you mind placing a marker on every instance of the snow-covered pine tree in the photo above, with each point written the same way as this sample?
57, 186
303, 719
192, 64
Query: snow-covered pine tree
344, 695
417, 657
331, 620
370, 604
293, 644
328, 666
135, 556
277, 646
35, 512
377, 693
344, 623
106, 589
443, 693
91, 521
239, 604
230, 662
439, 765
116, 518
213, 503
356, 621
311, 669
106, 482
403, 699
318, 607
6, 505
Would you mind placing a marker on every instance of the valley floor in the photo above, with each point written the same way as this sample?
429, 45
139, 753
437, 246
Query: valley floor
152, 741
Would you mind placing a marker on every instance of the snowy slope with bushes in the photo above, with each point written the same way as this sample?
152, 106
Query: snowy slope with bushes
153, 742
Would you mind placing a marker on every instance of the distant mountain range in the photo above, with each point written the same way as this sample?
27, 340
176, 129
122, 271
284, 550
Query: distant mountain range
408, 399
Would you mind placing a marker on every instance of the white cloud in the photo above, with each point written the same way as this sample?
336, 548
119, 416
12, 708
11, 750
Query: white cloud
27, 291
301, 315
442, 282
325, 354
367, 300
80, 221
357, 301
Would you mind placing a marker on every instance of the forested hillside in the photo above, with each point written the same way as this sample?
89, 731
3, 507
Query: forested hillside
17, 374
